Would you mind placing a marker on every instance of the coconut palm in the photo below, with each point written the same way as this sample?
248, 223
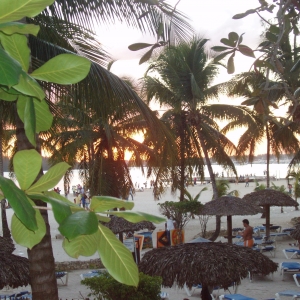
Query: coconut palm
185, 75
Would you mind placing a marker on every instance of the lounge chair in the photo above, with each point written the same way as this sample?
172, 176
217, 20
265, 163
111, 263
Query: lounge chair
90, 274
289, 268
63, 277
266, 249
294, 294
164, 295
296, 276
235, 297
295, 252
17, 296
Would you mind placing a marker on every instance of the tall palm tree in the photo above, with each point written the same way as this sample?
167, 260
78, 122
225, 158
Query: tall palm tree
185, 75
62, 30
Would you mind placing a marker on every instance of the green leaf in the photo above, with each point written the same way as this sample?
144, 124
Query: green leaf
54, 195
85, 245
21, 28
82, 222
7, 96
29, 121
230, 64
61, 209
50, 179
227, 42
27, 165
295, 66
11, 10
25, 237
16, 45
43, 116
139, 46
274, 29
246, 51
117, 258
239, 16
233, 37
28, 86
19, 203
220, 48
135, 217
271, 37
63, 69
222, 55
104, 203
146, 56
10, 69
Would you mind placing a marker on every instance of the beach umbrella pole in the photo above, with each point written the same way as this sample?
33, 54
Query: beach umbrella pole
229, 229
267, 210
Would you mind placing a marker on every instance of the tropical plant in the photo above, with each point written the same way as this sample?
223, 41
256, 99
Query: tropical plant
183, 86
296, 188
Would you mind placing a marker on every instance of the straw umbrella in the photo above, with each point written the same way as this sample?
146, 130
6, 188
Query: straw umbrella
267, 198
229, 206
119, 225
296, 234
211, 264
14, 270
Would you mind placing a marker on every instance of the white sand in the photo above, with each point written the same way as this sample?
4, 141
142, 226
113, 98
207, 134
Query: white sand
260, 288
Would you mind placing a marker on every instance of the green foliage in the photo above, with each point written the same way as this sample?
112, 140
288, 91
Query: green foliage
259, 187
105, 287
181, 211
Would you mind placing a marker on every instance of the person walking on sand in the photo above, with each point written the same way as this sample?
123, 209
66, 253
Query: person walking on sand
247, 181
247, 234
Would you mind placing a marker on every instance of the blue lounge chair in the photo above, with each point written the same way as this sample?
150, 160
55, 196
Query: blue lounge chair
63, 277
289, 268
293, 294
164, 295
295, 252
235, 297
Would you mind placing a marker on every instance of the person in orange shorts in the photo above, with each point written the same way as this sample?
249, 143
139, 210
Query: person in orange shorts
247, 234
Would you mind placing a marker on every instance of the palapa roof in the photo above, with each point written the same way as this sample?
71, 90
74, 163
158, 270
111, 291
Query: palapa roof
229, 206
295, 234
270, 197
119, 225
206, 263
14, 269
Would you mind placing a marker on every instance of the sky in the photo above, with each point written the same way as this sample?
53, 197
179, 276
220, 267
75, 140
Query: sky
211, 19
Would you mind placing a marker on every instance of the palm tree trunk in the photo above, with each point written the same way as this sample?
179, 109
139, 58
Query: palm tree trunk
41, 259
213, 183
182, 159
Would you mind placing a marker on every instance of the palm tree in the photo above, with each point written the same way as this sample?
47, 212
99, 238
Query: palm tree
185, 74
59, 34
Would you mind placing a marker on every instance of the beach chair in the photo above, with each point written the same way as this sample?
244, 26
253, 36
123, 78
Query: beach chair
266, 249
90, 274
296, 276
290, 293
164, 295
289, 268
235, 297
63, 277
294, 252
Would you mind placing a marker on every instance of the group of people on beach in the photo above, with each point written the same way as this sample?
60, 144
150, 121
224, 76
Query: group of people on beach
82, 197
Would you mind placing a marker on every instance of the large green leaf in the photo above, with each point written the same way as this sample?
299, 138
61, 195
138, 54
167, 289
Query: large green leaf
117, 258
16, 45
25, 237
7, 96
29, 121
72, 205
12, 10
43, 116
136, 217
63, 69
10, 69
28, 86
19, 203
82, 222
50, 179
85, 245
21, 28
27, 165
104, 203
61, 209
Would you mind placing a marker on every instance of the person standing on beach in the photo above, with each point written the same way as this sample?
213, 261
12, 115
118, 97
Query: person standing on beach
247, 234
247, 181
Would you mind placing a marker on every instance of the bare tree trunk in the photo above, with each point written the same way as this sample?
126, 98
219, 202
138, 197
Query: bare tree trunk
41, 259
213, 183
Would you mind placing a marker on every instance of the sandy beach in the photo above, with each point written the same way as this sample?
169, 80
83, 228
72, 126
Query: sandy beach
259, 288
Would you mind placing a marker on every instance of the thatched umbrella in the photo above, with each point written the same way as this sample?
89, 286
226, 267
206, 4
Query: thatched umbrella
119, 225
14, 270
296, 233
229, 206
267, 198
208, 264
